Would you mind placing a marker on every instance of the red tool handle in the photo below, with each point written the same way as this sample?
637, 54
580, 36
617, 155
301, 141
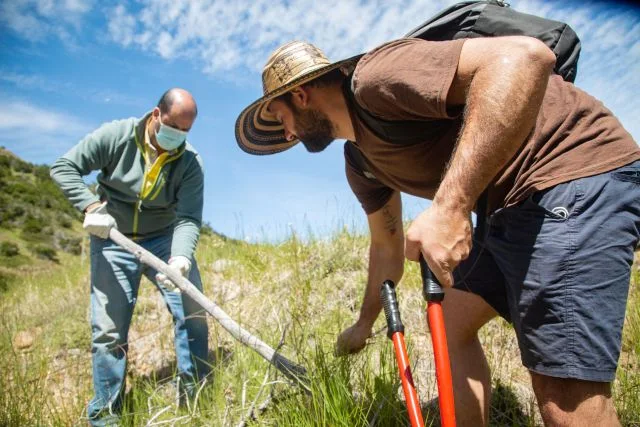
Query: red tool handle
434, 295
395, 331
408, 387
443, 366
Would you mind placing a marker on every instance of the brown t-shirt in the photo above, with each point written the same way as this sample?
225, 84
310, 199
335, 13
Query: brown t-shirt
575, 135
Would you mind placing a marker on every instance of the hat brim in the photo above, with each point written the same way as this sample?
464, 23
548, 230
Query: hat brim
257, 130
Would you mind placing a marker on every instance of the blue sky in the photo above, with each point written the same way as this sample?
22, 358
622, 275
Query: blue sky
66, 66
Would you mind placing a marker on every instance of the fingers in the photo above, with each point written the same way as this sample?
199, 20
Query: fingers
412, 249
442, 271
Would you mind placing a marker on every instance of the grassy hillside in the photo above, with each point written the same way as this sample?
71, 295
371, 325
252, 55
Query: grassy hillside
37, 223
294, 293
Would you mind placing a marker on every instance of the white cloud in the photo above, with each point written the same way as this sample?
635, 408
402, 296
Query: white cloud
21, 115
121, 25
47, 84
232, 40
225, 35
36, 133
35, 20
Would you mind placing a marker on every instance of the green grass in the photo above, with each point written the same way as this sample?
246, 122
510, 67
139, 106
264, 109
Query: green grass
305, 292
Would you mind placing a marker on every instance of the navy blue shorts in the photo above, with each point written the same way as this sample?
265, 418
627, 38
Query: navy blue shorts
558, 266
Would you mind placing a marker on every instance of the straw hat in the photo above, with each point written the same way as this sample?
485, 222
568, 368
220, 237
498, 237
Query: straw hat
291, 65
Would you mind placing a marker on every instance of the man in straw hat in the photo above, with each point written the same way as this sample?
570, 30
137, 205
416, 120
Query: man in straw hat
562, 184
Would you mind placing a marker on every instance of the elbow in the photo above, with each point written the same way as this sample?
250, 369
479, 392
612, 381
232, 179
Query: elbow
537, 54
54, 170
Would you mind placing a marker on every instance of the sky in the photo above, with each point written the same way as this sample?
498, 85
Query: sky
67, 66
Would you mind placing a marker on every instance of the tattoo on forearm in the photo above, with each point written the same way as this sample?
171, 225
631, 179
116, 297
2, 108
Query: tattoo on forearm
390, 220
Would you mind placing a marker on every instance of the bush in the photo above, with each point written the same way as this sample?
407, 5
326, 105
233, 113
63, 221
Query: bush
9, 249
33, 225
72, 245
65, 221
21, 166
45, 252
42, 173
5, 280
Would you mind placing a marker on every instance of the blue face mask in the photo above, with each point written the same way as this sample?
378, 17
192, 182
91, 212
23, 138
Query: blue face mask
169, 138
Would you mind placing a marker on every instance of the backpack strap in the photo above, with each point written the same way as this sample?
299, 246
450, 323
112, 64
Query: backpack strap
401, 132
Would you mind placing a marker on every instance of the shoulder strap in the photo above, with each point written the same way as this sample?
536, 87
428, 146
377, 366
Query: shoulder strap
401, 132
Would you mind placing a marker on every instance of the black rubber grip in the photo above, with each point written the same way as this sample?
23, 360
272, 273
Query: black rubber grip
391, 309
431, 288
291, 370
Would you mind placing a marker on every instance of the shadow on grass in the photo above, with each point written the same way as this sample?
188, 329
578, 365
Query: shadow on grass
506, 409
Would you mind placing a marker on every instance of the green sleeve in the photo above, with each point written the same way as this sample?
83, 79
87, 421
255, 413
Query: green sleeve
189, 210
94, 152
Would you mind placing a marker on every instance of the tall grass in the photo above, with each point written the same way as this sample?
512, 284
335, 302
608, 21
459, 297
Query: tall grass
299, 292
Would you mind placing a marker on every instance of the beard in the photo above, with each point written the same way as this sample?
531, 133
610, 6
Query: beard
314, 128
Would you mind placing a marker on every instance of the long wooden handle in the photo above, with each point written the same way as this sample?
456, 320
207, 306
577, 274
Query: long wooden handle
290, 369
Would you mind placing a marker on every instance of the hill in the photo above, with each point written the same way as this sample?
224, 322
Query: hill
36, 220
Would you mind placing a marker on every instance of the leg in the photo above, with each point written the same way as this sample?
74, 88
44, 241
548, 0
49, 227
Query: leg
478, 296
115, 276
190, 325
566, 253
464, 314
568, 402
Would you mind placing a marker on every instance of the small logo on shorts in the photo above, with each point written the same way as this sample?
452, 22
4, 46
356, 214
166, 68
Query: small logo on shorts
561, 211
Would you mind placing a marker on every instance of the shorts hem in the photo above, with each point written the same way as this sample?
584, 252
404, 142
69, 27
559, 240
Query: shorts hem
584, 374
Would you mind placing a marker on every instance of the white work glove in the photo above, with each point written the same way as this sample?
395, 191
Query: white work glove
180, 263
98, 222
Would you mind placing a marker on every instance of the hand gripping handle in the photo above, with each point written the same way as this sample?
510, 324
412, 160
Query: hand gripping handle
431, 288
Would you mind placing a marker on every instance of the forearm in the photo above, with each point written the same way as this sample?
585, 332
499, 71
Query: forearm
384, 264
185, 238
501, 108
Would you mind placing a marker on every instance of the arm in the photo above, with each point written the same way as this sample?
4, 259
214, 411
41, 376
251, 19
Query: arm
386, 261
501, 83
189, 211
92, 153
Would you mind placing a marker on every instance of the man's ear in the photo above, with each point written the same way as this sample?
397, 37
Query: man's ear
300, 96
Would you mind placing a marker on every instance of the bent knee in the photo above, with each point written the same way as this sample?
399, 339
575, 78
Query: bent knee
464, 314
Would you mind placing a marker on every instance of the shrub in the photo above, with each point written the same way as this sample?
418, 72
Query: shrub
33, 225
65, 221
72, 245
21, 166
5, 280
9, 249
43, 251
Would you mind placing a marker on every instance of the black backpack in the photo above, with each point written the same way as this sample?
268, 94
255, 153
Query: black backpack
470, 19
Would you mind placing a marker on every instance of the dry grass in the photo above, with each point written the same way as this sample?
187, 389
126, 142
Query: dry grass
310, 291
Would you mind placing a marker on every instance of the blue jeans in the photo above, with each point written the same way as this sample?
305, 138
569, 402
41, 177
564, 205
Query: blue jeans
115, 280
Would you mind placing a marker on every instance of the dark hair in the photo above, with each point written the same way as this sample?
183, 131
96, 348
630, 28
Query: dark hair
332, 78
168, 99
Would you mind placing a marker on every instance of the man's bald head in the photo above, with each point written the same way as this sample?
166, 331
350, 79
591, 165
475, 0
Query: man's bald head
178, 108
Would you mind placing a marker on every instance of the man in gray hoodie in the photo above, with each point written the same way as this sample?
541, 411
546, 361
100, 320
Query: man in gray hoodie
150, 187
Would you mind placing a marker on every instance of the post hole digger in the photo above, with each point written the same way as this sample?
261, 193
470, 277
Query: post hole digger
291, 370
433, 294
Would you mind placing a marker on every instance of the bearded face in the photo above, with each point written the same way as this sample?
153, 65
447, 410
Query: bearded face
315, 130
